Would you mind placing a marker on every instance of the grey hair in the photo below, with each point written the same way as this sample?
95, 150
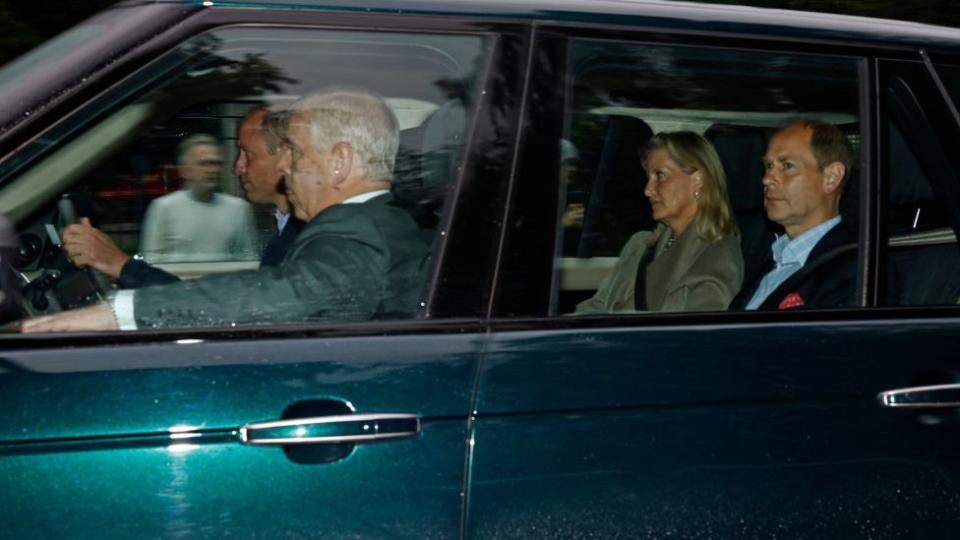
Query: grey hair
357, 117
194, 140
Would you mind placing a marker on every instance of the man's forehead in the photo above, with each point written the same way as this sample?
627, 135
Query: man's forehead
790, 142
204, 148
250, 132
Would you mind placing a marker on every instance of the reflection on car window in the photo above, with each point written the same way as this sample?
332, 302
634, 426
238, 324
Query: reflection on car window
923, 261
617, 205
172, 179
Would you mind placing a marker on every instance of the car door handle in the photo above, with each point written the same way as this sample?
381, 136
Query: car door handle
347, 428
919, 397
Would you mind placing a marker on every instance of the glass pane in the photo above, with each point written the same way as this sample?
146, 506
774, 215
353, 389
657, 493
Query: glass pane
923, 266
160, 166
726, 105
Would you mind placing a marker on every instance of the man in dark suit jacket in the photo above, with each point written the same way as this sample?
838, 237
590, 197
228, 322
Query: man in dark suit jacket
256, 166
358, 257
815, 264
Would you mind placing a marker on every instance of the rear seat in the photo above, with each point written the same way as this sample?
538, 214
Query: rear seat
918, 274
741, 150
426, 164
617, 207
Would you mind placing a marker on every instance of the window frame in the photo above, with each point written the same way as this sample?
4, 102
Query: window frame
512, 312
497, 91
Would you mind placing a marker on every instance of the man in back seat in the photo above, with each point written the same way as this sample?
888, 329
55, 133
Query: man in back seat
814, 264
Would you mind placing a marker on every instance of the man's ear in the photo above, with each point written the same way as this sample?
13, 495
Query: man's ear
342, 154
833, 175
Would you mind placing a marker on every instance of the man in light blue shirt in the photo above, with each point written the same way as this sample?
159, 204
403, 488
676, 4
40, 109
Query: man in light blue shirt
814, 263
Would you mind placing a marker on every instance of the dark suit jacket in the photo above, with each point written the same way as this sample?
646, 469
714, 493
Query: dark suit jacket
350, 262
827, 280
136, 274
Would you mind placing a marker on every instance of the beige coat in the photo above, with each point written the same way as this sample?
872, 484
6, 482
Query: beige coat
692, 275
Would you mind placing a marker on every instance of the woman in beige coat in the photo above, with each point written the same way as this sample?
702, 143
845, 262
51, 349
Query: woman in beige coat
691, 261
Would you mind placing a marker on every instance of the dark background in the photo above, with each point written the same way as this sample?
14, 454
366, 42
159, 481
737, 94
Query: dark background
26, 23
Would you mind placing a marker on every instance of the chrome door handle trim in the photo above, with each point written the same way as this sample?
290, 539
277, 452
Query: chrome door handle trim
922, 397
345, 428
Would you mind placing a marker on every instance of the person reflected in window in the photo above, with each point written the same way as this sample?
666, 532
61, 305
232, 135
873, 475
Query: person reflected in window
197, 223
359, 256
258, 144
814, 264
574, 210
691, 261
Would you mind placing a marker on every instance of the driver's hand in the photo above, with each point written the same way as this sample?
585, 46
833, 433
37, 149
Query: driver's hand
98, 317
86, 245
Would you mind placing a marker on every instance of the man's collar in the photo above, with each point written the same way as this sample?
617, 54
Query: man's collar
193, 196
364, 197
282, 219
796, 250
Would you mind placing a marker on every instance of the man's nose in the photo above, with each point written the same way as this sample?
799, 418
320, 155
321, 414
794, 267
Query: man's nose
768, 178
239, 166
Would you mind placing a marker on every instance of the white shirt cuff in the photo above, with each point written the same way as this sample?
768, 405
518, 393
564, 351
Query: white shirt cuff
122, 304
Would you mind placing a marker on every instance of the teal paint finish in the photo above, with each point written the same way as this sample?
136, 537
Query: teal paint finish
143, 389
143, 441
714, 431
401, 489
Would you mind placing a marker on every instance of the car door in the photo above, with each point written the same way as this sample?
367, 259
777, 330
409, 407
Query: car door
730, 425
338, 429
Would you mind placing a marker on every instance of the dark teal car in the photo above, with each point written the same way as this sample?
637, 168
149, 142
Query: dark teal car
496, 413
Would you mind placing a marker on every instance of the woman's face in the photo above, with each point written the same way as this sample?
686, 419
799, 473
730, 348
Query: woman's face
671, 191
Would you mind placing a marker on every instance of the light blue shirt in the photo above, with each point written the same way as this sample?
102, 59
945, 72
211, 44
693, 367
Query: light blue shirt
282, 219
788, 257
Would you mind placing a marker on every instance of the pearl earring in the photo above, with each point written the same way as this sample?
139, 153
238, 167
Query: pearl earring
696, 195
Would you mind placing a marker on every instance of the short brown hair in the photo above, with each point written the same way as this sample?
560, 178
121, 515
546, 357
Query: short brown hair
827, 143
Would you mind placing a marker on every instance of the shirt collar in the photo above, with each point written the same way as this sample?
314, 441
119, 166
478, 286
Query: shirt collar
797, 250
364, 197
282, 219
193, 196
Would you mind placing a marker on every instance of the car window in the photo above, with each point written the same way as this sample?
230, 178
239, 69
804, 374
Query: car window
620, 96
151, 163
923, 260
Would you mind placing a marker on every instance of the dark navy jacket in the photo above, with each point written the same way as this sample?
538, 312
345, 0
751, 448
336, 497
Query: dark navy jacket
351, 262
827, 280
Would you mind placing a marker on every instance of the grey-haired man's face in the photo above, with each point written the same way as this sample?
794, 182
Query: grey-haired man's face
201, 170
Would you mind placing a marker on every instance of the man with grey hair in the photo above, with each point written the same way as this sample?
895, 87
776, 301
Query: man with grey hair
197, 223
359, 256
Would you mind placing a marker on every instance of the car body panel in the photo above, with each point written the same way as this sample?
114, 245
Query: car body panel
688, 425
150, 433
743, 430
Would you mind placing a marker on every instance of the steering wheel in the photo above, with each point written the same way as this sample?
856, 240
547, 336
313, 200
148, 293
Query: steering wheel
59, 285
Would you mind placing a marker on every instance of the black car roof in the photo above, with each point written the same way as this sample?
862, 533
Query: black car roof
689, 16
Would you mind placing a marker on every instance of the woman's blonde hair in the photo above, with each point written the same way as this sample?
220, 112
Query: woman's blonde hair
691, 152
